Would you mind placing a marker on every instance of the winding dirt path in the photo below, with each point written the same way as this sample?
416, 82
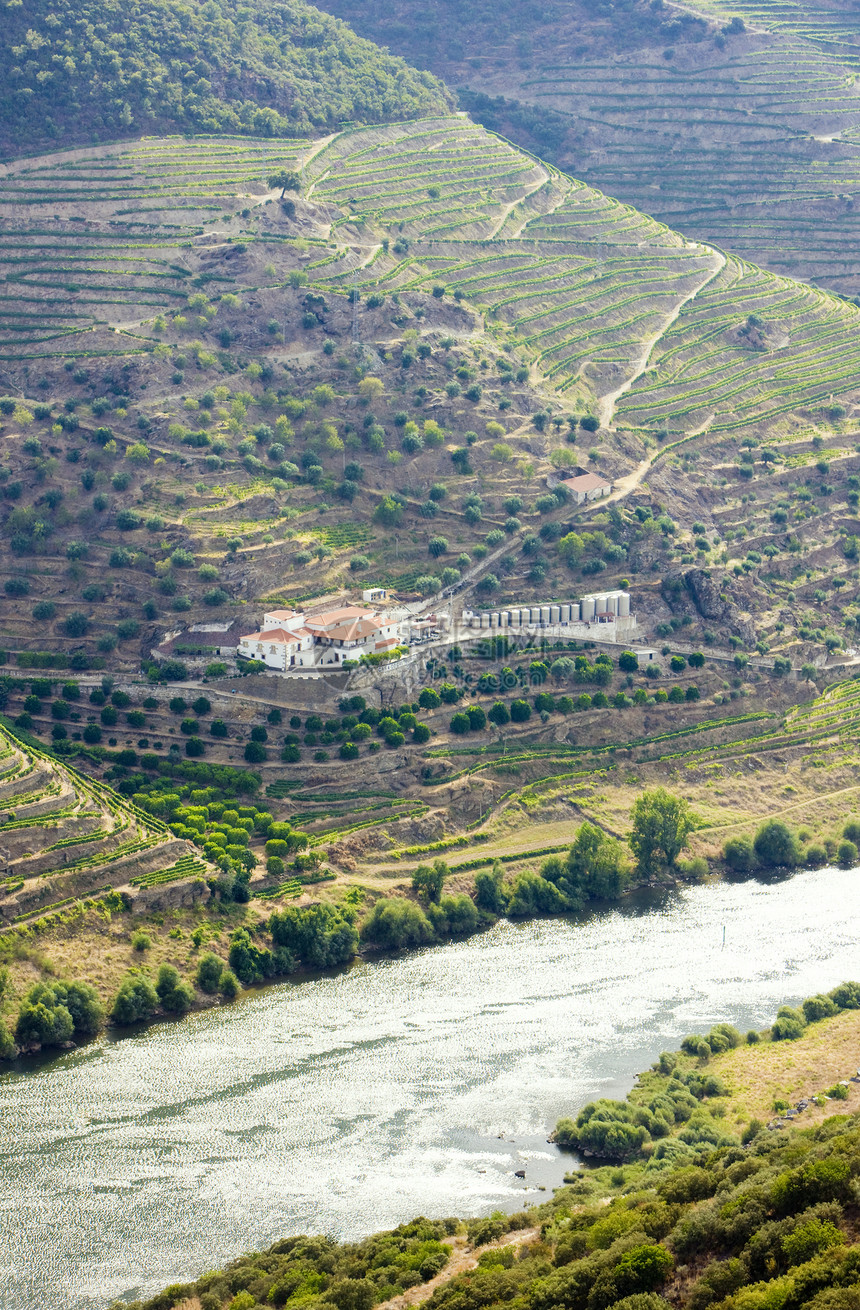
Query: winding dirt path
507, 210
463, 1258
623, 486
606, 405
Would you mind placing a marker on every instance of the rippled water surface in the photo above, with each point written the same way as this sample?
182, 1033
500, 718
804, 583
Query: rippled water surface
352, 1102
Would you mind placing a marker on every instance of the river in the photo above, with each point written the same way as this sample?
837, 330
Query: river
356, 1100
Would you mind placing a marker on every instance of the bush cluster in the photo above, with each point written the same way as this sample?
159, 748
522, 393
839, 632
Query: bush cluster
768, 1226
775, 846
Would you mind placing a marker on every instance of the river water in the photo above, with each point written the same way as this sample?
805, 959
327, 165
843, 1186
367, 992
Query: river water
354, 1101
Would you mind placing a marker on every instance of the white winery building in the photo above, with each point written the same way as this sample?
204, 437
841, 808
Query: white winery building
290, 639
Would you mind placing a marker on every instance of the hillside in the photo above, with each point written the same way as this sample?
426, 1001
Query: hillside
268, 400
744, 134
309, 830
710, 1220
197, 417
106, 70
66, 839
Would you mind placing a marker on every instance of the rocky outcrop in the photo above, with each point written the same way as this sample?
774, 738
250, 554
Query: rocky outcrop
712, 602
706, 594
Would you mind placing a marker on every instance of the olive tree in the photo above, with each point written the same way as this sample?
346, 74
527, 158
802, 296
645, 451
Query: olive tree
286, 180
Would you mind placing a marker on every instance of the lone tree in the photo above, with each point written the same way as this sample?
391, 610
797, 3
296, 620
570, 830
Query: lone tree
428, 881
286, 181
661, 825
596, 864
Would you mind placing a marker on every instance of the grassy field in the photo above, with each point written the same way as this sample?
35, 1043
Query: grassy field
826, 1054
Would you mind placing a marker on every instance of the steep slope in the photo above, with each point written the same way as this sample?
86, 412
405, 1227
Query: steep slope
103, 70
743, 136
65, 837
595, 294
216, 395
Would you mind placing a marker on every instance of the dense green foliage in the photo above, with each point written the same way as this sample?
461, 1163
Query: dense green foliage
54, 1013
666, 1119
767, 1226
315, 1271
620, 1129
395, 923
136, 1000
661, 825
318, 937
593, 869
114, 69
775, 846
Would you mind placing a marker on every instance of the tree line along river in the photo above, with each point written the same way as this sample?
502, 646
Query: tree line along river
350, 1102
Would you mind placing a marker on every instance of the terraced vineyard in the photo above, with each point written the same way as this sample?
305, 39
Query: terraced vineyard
829, 28
64, 836
602, 299
754, 151
100, 239
747, 138
697, 377
560, 783
589, 288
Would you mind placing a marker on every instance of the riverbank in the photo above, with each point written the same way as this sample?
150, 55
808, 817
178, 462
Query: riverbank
101, 944
614, 1232
420, 1083
508, 861
724, 1087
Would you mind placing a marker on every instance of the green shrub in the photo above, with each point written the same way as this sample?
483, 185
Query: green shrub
490, 894
818, 1007
740, 854
209, 971
8, 1049
789, 1024
52, 1013
135, 1001
846, 996
531, 895
723, 1037
776, 846
394, 923
175, 995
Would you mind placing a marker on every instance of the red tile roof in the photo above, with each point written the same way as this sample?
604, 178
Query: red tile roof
585, 482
